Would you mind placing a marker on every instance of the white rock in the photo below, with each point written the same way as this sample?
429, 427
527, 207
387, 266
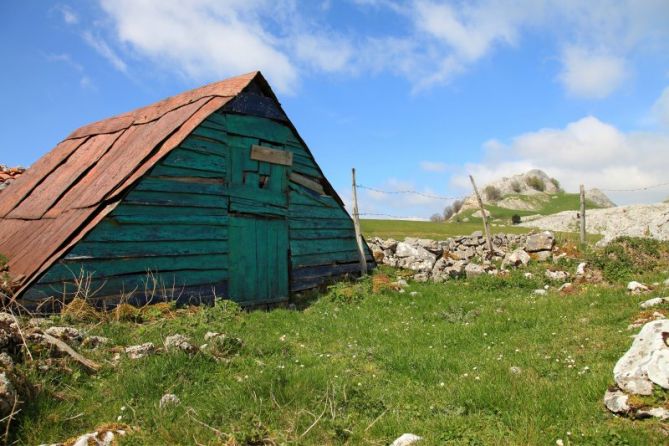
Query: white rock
637, 287
542, 241
657, 412
540, 292
566, 287
646, 362
67, 334
666, 282
140, 351
515, 370
474, 270
654, 302
169, 399
8, 395
413, 293
180, 342
556, 275
516, 258
406, 440
616, 401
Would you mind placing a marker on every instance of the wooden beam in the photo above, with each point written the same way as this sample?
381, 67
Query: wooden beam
306, 182
582, 213
274, 156
356, 225
483, 216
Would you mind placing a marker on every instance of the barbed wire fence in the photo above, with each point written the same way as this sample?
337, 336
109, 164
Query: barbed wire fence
447, 198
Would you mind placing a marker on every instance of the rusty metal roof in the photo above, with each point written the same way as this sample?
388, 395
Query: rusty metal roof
58, 200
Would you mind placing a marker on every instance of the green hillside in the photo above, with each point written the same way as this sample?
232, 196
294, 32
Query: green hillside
544, 204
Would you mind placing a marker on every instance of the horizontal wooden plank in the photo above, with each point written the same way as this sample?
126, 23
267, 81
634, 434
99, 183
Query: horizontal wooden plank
262, 128
318, 234
306, 197
182, 185
306, 182
300, 247
183, 157
176, 199
170, 219
325, 271
262, 196
171, 171
110, 250
316, 211
169, 283
107, 231
157, 210
244, 206
326, 259
211, 132
301, 222
110, 268
274, 156
205, 145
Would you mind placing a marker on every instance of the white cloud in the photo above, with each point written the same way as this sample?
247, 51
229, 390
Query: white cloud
433, 166
588, 74
589, 152
324, 53
660, 110
69, 16
99, 45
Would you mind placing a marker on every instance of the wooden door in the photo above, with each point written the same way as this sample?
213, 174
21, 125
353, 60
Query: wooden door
258, 259
258, 236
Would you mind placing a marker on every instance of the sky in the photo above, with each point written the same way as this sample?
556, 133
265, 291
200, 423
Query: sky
415, 94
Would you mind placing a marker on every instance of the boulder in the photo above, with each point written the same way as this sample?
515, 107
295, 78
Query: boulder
556, 275
95, 341
8, 395
180, 342
636, 287
616, 401
140, 351
406, 440
543, 256
474, 270
390, 244
542, 241
463, 253
516, 258
580, 269
421, 277
646, 362
650, 303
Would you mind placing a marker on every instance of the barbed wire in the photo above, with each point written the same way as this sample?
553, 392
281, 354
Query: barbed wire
412, 192
640, 189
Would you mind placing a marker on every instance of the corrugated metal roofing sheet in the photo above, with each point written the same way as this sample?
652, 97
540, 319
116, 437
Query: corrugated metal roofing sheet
65, 193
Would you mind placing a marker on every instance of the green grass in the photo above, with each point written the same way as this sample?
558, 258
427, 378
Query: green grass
357, 367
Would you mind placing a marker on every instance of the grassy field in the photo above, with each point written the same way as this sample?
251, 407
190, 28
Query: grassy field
479, 362
399, 229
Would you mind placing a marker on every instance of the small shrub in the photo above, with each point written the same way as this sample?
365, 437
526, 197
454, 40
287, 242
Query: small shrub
516, 187
448, 212
492, 193
536, 183
627, 257
556, 183
515, 219
457, 205
436, 218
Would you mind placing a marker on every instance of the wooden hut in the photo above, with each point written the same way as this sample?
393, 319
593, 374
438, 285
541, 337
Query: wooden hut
208, 193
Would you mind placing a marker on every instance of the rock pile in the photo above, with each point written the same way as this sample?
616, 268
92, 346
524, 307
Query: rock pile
644, 367
8, 175
465, 256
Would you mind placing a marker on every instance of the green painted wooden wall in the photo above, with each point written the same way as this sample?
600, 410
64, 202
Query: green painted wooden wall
170, 236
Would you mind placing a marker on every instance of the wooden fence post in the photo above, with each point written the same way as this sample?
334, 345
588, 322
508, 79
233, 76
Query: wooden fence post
358, 233
582, 214
485, 219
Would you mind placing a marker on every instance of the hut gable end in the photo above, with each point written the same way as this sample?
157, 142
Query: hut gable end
201, 215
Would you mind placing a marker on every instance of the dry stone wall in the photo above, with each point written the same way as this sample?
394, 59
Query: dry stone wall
464, 256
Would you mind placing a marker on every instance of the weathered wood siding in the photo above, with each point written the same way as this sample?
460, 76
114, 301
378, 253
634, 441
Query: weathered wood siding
169, 235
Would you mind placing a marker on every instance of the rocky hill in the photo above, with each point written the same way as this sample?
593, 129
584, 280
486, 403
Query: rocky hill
641, 220
532, 192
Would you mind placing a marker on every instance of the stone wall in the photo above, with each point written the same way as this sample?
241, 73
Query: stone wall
464, 256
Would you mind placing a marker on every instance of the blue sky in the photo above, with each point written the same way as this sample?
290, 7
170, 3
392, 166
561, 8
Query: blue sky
415, 94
